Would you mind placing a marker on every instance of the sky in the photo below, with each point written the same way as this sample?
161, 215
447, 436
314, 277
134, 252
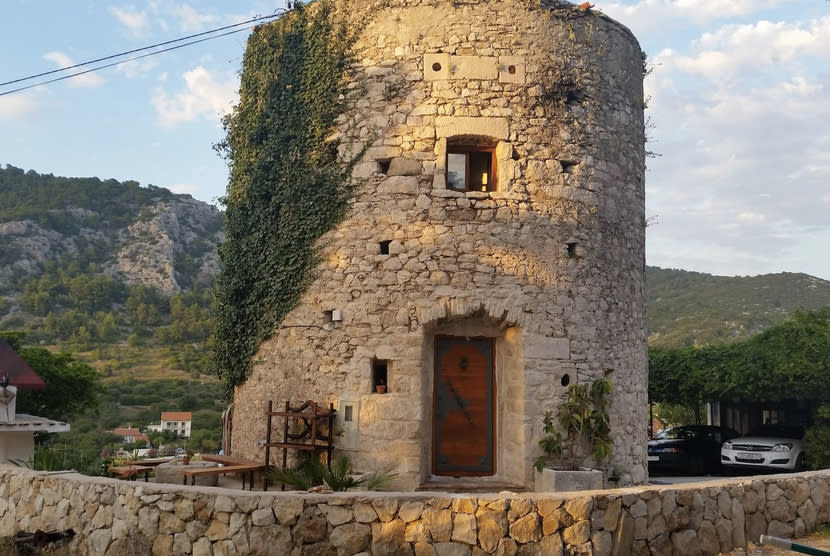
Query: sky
738, 114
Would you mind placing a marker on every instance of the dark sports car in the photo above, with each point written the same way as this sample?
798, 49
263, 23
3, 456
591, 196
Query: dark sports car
692, 449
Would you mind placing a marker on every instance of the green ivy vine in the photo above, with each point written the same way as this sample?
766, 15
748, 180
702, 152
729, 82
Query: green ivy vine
287, 184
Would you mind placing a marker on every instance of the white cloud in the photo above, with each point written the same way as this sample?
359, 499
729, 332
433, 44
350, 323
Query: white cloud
16, 107
205, 96
740, 117
89, 80
135, 20
743, 50
184, 189
661, 15
751, 217
137, 68
192, 21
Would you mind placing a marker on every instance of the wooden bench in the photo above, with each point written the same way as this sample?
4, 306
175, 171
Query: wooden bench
227, 460
130, 471
153, 461
246, 467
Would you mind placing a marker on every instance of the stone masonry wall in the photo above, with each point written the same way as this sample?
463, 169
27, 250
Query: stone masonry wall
113, 518
549, 264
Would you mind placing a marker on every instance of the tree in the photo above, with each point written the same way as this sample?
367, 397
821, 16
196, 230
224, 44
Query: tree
72, 387
788, 361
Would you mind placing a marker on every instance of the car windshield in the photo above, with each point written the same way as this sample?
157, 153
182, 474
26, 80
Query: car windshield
675, 433
779, 431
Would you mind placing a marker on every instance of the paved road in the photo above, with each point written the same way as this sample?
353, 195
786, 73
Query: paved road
820, 541
679, 480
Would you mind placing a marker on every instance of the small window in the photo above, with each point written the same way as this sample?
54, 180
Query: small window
380, 370
470, 169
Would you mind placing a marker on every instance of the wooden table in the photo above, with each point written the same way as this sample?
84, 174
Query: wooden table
230, 464
153, 461
130, 471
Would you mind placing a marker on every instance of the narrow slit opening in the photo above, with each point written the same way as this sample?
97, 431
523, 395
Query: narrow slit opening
380, 378
571, 250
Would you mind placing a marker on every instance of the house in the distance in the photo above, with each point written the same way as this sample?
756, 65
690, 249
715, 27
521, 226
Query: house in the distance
176, 421
130, 435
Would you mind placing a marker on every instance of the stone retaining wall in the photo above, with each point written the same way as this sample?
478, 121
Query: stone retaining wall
113, 517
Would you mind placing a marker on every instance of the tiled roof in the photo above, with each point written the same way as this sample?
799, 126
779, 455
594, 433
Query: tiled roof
176, 416
20, 374
126, 432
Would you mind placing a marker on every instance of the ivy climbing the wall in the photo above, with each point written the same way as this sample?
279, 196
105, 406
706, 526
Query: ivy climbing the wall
287, 185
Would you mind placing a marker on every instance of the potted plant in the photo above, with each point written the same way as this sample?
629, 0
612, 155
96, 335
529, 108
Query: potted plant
578, 426
187, 455
380, 387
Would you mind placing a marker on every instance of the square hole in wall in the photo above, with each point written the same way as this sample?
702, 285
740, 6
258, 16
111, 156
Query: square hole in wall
568, 166
384, 246
383, 165
380, 376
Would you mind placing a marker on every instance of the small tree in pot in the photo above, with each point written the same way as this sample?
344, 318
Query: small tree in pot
581, 421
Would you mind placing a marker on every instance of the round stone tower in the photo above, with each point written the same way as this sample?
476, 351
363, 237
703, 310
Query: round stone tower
493, 252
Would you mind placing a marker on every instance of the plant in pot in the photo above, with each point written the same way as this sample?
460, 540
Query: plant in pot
380, 386
579, 425
187, 455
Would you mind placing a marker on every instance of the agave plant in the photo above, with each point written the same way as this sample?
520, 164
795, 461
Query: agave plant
311, 472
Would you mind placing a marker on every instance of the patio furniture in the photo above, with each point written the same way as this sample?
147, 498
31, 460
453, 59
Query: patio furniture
130, 471
306, 428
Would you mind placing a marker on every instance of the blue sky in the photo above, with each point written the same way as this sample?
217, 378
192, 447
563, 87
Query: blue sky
739, 111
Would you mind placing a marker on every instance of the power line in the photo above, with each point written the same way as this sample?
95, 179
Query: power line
76, 74
122, 54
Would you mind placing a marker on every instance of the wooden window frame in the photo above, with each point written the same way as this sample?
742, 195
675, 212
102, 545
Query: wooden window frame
467, 150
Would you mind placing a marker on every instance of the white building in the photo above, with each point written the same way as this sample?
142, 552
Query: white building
176, 421
17, 430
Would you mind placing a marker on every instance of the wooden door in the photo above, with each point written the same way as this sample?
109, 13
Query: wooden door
463, 409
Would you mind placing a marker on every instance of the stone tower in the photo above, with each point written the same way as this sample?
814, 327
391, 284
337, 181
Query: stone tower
493, 252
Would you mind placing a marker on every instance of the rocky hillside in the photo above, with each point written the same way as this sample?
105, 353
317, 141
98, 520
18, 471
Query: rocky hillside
118, 273
74, 250
137, 235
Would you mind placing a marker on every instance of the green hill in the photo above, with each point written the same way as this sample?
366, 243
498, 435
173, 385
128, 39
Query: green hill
688, 308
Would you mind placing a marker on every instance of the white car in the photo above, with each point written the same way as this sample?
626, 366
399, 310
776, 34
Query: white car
767, 448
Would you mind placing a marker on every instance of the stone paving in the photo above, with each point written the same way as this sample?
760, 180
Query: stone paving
820, 541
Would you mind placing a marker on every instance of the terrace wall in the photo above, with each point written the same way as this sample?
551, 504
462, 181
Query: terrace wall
112, 517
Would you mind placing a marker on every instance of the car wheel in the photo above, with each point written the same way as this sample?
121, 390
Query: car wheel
801, 463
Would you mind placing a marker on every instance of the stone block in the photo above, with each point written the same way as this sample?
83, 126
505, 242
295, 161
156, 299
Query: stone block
404, 167
399, 185
437, 67
450, 126
474, 67
543, 347
512, 69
